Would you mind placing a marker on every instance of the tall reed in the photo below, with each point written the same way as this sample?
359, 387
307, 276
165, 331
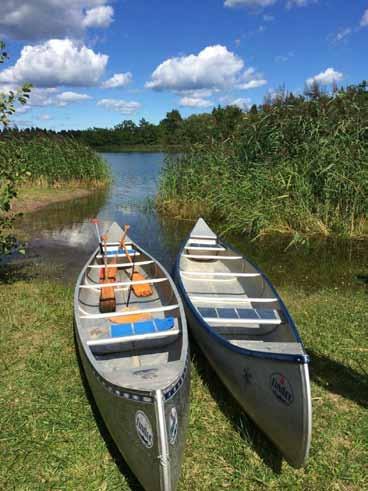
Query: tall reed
53, 159
299, 168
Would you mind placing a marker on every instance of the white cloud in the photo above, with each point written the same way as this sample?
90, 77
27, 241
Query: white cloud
251, 79
249, 3
195, 102
327, 77
242, 103
284, 58
267, 3
214, 68
44, 117
342, 34
44, 97
364, 19
117, 80
98, 17
299, 3
44, 19
68, 97
56, 62
119, 105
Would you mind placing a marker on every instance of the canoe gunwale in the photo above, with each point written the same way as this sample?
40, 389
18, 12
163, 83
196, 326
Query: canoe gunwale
292, 358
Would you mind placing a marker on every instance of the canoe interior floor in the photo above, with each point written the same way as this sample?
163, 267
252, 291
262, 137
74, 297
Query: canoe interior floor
118, 367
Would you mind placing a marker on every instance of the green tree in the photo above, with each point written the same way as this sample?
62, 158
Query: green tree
12, 169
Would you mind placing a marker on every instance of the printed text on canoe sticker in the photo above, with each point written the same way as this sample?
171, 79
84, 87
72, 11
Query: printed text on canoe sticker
144, 429
173, 425
282, 389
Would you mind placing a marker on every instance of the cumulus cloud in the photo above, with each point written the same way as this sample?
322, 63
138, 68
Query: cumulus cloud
120, 105
43, 19
327, 77
98, 17
214, 68
195, 102
56, 62
117, 80
364, 19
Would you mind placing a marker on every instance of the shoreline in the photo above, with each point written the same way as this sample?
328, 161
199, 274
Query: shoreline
31, 199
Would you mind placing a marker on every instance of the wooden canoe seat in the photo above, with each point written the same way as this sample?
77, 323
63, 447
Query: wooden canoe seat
230, 315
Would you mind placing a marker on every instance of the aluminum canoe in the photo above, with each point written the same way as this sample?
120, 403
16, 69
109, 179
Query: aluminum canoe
139, 377
249, 338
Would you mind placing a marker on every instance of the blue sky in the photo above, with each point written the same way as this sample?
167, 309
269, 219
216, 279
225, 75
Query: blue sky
97, 62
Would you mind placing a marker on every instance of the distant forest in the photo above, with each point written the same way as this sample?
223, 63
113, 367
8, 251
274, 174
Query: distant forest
174, 131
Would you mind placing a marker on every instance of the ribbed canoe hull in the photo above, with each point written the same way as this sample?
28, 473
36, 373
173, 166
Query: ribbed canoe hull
281, 411
119, 409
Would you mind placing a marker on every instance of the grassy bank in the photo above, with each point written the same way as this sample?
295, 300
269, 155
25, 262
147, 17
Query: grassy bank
51, 438
297, 166
32, 197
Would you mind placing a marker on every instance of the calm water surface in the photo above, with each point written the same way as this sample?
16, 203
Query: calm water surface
63, 233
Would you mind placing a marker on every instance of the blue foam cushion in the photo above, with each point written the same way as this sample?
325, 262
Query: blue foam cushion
267, 314
120, 251
164, 324
121, 330
144, 327
207, 311
227, 313
247, 314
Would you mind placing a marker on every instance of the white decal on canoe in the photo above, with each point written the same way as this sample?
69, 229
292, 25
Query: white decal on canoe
144, 429
173, 425
282, 388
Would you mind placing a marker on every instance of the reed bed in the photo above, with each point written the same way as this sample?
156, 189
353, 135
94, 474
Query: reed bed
53, 160
299, 167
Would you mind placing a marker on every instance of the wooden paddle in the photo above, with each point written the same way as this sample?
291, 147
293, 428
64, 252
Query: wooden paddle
143, 290
107, 294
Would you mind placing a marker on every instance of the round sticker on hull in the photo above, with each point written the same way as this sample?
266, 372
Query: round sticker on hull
144, 429
282, 388
173, 425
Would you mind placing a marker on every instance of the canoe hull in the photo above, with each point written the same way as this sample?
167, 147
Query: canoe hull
133, 422
275, 394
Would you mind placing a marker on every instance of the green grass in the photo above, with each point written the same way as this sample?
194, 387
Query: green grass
50, 437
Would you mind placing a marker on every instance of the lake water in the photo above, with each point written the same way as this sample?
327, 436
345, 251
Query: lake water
63, 233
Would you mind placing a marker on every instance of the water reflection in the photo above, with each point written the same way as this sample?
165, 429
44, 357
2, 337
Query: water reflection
63, 232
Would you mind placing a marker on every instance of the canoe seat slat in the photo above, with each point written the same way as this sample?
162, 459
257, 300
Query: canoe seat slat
120, 265
234, 299
164, 308
218, 258
204, 247
218, 273
224, 315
